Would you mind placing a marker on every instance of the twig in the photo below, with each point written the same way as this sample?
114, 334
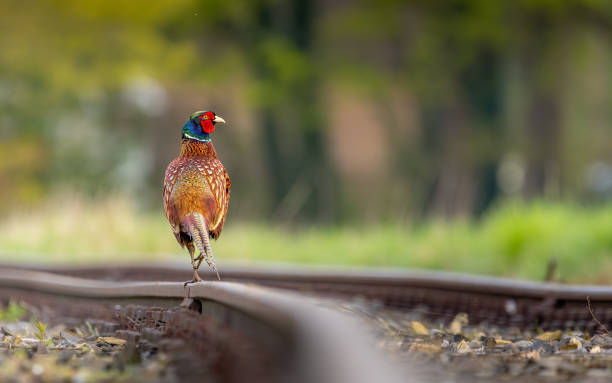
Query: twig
603, 328
551, 270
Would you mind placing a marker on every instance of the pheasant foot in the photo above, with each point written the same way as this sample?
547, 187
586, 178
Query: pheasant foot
196, 278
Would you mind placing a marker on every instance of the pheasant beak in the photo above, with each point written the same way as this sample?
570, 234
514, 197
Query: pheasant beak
218, 119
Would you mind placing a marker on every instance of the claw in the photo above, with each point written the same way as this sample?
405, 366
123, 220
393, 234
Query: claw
196, 278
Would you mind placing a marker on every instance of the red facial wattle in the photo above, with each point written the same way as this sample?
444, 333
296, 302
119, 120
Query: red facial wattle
206, 122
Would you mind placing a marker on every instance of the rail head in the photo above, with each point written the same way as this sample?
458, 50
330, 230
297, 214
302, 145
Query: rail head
441, 280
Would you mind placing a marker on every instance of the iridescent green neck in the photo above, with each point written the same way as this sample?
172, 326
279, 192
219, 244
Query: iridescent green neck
193, 131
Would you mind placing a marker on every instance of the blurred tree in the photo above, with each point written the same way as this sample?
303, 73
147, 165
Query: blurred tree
354, 110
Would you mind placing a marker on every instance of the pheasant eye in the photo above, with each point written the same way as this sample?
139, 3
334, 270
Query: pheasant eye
204, 117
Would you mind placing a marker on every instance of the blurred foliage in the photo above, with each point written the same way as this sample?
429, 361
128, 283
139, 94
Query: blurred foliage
513, 240
13, 312
353, 111
385, 116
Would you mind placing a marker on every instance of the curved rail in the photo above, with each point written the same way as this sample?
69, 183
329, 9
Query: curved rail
499, 300
328, 346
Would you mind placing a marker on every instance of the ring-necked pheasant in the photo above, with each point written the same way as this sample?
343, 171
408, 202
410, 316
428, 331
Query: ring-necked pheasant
197, 191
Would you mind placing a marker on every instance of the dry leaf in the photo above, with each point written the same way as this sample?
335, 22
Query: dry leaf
549, 335
568, 347
111, 340
419, 328
457, 324
463, 347
501, 342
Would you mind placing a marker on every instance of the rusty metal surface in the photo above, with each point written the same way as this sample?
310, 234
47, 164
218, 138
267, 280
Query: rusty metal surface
311, 343
497, 300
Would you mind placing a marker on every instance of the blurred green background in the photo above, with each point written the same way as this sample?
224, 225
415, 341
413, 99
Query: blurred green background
469, 135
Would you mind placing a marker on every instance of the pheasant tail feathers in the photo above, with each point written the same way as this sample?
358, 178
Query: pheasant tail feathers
195, 224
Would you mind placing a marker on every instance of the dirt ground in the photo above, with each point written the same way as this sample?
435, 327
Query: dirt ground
454, 349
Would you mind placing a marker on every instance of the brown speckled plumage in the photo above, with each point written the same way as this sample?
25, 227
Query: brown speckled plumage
196, 197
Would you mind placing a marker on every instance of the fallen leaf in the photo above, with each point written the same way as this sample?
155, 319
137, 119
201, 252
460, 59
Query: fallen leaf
419, 328
111, 340
501, 342
463, 347
457, 324
549, 335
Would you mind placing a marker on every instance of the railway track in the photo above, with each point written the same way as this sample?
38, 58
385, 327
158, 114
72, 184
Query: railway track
257, 333
270, 322
501, 301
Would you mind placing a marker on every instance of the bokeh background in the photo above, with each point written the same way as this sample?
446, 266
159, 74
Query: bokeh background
468, 135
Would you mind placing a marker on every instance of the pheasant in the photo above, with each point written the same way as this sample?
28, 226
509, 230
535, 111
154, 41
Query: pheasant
196, 191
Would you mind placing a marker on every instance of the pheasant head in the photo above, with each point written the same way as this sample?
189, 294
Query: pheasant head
200, 125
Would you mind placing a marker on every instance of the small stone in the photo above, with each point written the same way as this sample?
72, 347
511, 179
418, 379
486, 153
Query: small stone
70, 337
435, 333
533, 354
602, 340
524, 345
37, 369
570, 343
41, 347
489, 342
595, 349
474, 344
543, 347
80, 377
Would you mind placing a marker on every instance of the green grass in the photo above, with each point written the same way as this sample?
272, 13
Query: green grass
514, 240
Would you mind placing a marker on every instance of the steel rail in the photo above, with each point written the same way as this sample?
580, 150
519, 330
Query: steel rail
330, 346
498, 300
363, 277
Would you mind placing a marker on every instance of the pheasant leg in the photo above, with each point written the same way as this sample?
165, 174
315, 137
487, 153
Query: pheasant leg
196, 278
200, 258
